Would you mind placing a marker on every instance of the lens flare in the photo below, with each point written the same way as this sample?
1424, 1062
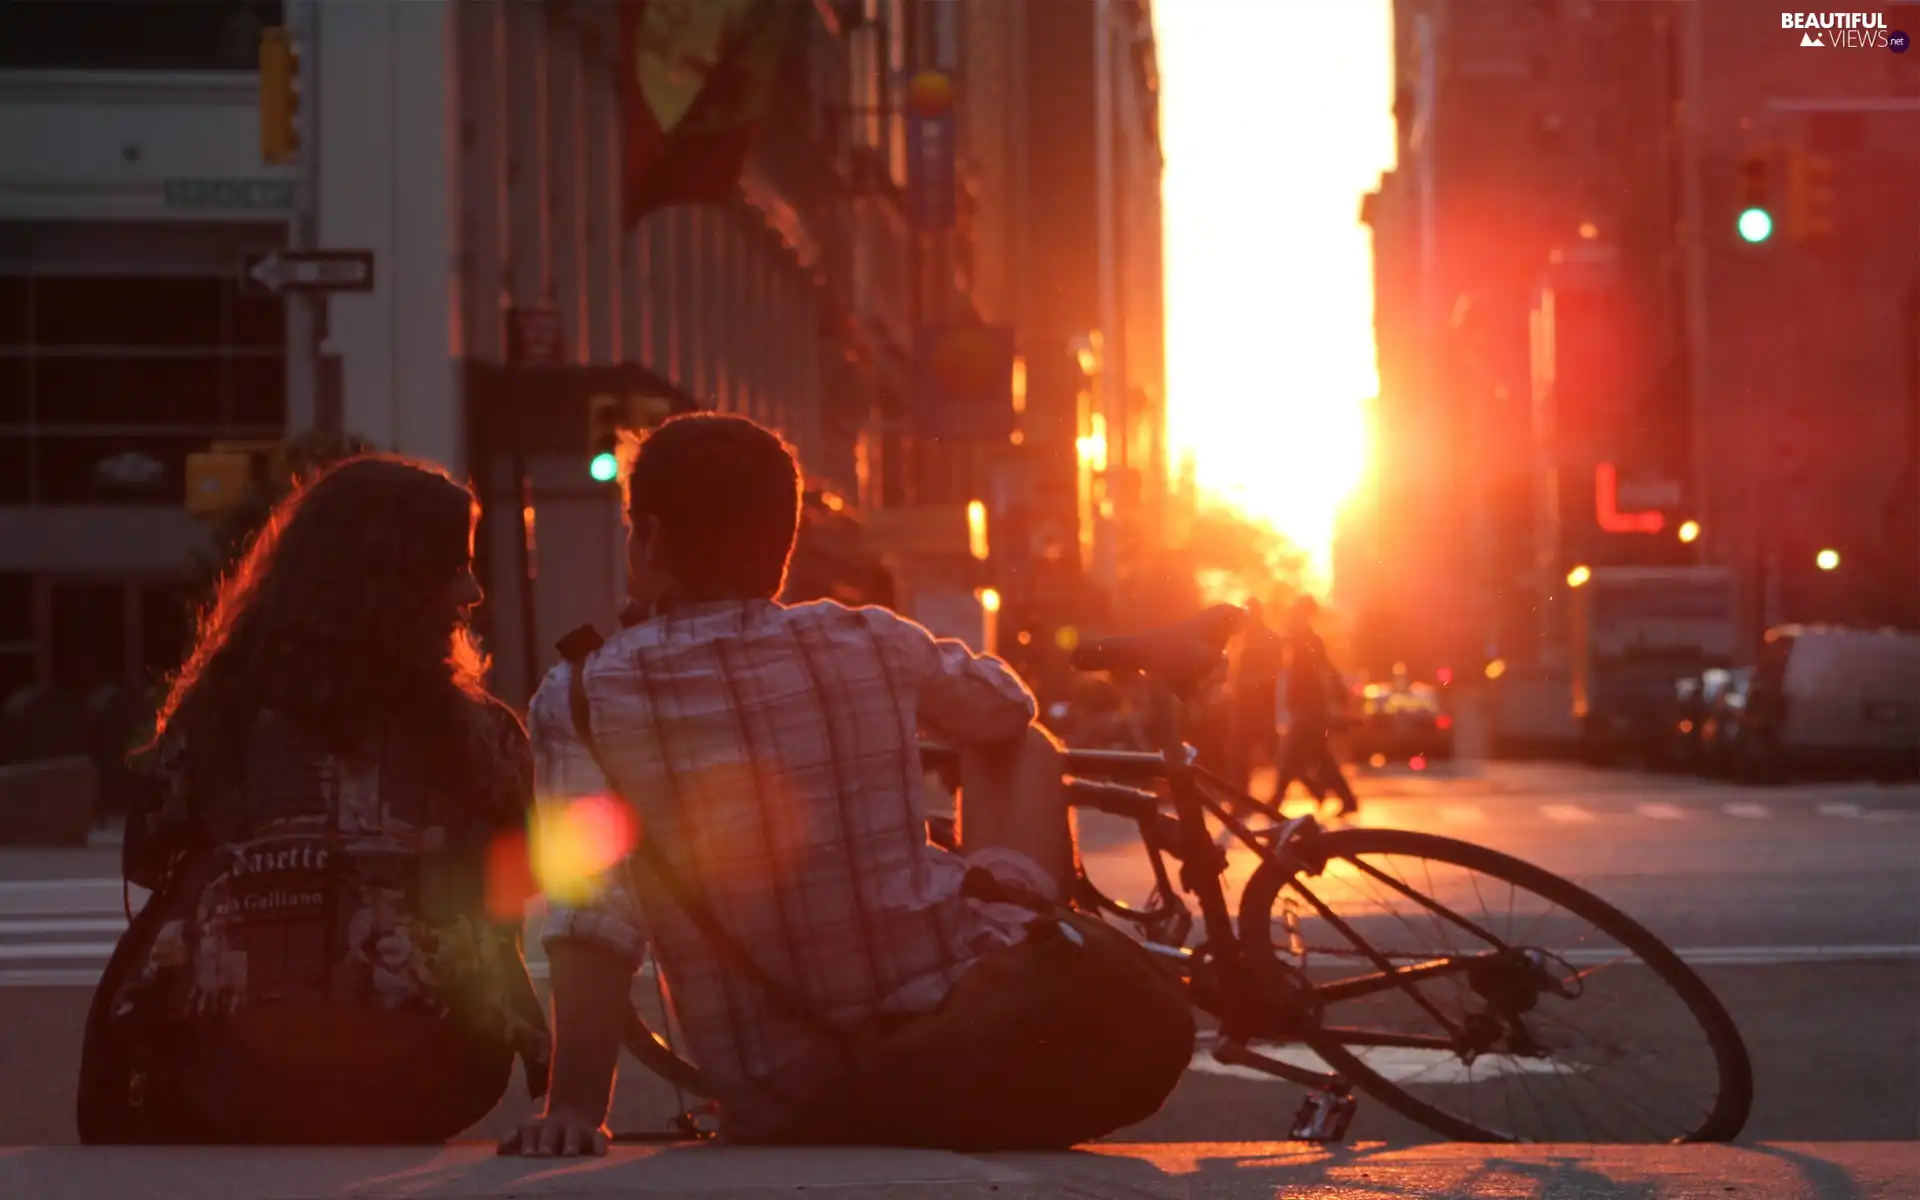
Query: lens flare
575, 841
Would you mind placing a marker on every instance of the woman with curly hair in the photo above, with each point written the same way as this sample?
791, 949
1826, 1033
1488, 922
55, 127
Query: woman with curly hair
332, 949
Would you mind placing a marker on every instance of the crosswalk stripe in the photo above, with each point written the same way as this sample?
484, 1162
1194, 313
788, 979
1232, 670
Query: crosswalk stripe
1465, 814
34, 951
1746, 811
1662, 812
21, 928
1838, 810
1566, 813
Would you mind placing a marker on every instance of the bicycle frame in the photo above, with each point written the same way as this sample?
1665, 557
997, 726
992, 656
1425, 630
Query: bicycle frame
1195, 793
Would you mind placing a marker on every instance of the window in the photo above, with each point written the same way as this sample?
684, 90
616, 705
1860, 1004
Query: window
166, 621
134, 35
89, 629
16, 609
108, 382
16, 633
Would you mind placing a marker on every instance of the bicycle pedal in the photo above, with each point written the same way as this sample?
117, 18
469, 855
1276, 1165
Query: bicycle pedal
1323, 1117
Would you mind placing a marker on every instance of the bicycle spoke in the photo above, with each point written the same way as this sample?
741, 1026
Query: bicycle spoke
1552, 1034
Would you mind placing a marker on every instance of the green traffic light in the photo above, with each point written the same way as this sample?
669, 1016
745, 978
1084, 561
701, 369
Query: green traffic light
1755, 226
604, 467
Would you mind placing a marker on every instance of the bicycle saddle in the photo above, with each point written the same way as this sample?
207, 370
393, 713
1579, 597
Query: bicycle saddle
1179, 655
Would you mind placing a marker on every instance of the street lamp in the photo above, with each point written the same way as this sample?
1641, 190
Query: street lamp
1827, 560
1689, 532
1579, 576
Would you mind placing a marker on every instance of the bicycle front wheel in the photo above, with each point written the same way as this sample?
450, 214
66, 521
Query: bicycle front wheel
1539, 1012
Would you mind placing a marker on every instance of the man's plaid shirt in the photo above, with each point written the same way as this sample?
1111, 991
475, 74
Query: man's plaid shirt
773, 752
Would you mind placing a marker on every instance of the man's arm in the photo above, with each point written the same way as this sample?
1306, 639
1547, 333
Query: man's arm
592, 950
971, 698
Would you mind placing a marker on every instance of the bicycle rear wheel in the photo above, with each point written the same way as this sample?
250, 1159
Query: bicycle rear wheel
1504, 999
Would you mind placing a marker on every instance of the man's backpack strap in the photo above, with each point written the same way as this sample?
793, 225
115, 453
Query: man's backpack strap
575, 647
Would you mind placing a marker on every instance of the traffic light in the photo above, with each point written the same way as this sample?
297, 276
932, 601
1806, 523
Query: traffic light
219, 477
1809, 196
1756, 201
606, 415
279, 97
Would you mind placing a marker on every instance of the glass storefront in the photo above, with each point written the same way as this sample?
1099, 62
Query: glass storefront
109, 381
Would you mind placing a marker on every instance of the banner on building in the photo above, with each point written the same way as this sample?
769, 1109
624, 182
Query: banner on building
965, 384
931, 152
697, 79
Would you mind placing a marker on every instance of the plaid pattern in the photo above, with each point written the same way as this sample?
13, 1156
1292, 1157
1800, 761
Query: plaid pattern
774, 752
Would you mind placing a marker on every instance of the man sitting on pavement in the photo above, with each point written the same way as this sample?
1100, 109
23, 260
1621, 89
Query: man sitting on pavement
838, 978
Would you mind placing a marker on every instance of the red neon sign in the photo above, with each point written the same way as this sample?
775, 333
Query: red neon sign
1606, 506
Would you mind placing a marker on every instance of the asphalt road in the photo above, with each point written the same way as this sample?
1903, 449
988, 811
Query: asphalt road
1800, 906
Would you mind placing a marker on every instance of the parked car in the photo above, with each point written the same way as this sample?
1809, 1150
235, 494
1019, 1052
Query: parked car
1399, 722
1721, 725
1694, 700
1832, 702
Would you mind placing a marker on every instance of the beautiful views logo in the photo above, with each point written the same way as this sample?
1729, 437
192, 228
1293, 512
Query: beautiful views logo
1839, 30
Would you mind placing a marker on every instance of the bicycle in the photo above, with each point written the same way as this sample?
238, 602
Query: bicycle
1261, 992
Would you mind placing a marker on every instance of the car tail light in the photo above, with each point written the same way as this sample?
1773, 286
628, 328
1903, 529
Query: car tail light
1443, 721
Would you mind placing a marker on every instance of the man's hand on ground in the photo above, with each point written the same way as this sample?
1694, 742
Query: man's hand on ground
558, 1135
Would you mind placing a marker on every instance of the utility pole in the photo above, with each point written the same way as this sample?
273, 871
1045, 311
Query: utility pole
1112, 372
313, 395
1693, 225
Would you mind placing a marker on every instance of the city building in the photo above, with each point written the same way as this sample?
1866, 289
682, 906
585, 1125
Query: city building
1809, 396
1579, 355
1090, 286
461, 171
131, 186
484, 184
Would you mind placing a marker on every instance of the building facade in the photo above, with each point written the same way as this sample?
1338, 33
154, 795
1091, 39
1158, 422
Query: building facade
1569, 328
484, 180
474, 152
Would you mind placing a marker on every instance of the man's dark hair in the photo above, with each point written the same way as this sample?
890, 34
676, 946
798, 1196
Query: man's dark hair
726, 491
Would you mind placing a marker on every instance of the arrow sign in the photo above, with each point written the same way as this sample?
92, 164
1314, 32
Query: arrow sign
277, 272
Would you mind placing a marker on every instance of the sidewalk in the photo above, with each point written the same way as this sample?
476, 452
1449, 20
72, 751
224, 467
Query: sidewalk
1228, 1171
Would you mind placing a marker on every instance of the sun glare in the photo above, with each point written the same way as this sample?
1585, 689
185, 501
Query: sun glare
1276, 119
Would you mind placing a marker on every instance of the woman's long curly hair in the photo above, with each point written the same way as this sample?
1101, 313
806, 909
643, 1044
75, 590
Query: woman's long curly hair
338, 618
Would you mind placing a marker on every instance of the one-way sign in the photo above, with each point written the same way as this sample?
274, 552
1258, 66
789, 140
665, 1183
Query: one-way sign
276, 272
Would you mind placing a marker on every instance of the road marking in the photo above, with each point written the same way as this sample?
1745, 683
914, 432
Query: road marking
15, 928
81, 978
31, 885
1662, 812
1566, 813
1839, 810
95, 955
1887, 814
1393, 1062
32, 951
1746, 811
1465, 814
1758, 956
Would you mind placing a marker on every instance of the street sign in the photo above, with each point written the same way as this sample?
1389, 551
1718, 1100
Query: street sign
279, 272
246, 195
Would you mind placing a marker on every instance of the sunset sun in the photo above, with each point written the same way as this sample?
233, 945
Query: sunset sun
1277, 120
